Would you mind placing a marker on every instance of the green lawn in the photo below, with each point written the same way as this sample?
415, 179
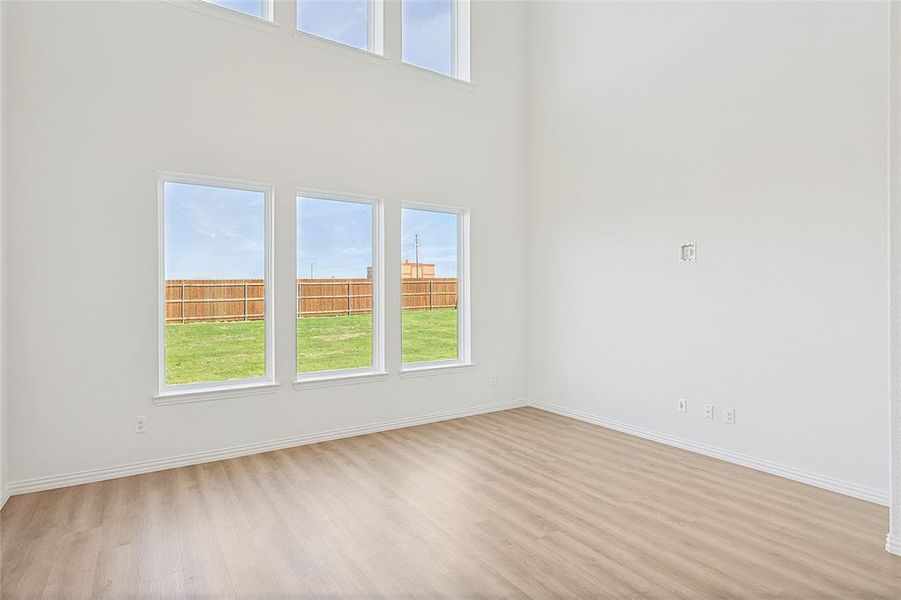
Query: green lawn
429, 335
203, 352
329, 343
200, 352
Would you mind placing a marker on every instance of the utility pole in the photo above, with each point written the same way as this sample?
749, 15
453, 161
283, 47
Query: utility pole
416, 244
312, 262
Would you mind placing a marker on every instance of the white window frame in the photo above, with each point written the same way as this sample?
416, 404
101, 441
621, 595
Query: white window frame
376, 42
376, 370
193, 392
464, 313
461, 43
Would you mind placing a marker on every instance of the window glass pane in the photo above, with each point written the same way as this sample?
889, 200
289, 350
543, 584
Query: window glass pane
334, 285
215, 261
427, 34
429, 285
254, 8
344, 21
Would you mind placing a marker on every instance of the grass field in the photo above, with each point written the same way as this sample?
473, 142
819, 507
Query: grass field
202, 352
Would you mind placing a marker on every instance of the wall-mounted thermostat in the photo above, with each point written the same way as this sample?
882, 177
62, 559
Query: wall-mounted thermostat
688, 252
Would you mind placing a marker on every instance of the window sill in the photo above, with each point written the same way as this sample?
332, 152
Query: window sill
317, 41
437, 77
202, 394
339, 378
435, 369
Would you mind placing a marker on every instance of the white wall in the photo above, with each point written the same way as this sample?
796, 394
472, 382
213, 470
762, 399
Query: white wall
106, 94
756, 129
4, 439
759, 131
893, 541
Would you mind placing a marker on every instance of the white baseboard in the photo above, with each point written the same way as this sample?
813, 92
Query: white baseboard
821, 481
893, 544
101, 474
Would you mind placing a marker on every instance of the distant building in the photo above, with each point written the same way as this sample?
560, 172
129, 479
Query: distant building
414, 270
410, 270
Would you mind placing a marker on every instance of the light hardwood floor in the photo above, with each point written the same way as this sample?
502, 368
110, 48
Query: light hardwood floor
511, 504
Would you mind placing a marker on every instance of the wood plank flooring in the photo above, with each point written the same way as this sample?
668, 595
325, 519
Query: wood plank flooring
520, 503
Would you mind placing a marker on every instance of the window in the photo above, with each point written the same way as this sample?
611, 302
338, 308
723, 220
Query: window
215, 287
339, 268
435, 36
434, 287
356, 23
261, 9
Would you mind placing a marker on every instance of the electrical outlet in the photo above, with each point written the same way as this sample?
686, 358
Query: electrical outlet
140, 424
492, 379
729, 416
708, 411
681, 405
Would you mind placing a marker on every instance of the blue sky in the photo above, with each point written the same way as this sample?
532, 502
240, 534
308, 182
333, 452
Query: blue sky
335, 238
437, 239
345, 21
426, 32
214, 233
217, 233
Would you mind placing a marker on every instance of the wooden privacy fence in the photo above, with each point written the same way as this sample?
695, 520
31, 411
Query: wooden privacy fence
197, 300
192, 300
